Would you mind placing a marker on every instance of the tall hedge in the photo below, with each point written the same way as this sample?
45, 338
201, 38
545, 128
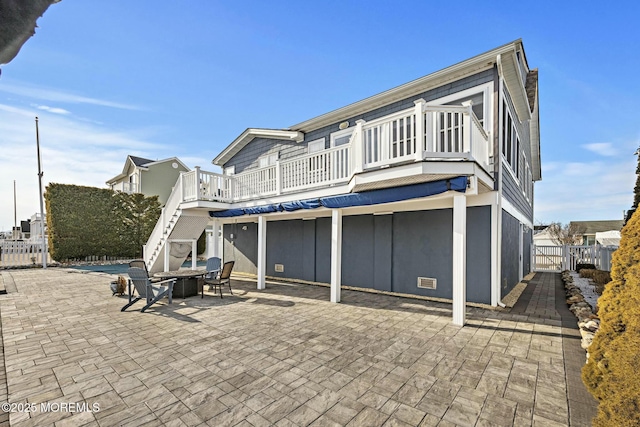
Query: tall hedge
611, 373
89, 221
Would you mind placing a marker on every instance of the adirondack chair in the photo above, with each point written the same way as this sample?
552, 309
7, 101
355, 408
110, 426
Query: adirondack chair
153, 292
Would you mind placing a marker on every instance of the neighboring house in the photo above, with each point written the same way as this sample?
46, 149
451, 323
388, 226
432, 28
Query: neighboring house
608, 238
425, 189
149, 177
590, 228
544, 238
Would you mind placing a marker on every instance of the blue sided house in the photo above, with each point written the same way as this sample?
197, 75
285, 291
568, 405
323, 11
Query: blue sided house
424, 189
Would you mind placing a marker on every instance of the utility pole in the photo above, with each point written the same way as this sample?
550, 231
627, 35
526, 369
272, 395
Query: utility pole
15, 212
40, 173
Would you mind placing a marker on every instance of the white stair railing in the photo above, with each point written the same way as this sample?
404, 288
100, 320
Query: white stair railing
165, 223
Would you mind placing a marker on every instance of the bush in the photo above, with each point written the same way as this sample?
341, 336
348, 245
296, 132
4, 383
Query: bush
611, 372
89, 221
599, 277
583, 265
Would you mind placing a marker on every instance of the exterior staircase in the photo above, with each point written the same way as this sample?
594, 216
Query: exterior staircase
176, 228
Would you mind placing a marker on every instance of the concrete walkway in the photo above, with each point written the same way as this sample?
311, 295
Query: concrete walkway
284, 356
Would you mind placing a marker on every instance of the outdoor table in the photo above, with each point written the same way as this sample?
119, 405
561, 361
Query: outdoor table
188, 281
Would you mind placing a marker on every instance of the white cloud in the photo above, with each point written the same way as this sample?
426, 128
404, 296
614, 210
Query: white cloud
54, 110
73, 152
585, 191
602, 148
47, 94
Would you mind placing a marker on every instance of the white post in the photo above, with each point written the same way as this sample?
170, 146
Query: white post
194, 254
357, 148
167, 250
459, 258
467, 144
384, 142
197, 182
419, 124
262, 251
278, 178
336, 254
213, 243
430, 132
496, 255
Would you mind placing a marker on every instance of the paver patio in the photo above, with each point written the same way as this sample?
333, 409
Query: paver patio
285, 356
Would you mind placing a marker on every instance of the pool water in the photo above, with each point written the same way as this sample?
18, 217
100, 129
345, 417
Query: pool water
122, 268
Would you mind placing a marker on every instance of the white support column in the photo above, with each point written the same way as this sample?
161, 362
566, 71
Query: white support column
194, 254
459, 258
419, 124
496, 251
336, 254
167, 250
213, 241
262, 251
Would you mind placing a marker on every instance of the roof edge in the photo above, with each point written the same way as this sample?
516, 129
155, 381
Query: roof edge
483, 60
248, 135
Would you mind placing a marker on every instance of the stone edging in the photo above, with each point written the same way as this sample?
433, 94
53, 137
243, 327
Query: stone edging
588, 321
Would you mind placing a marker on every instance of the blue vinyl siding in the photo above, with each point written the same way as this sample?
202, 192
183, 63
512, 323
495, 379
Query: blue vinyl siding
386, 252
247, 157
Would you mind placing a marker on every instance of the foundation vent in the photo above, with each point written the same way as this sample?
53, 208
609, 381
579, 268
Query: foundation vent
426, 282
279, 268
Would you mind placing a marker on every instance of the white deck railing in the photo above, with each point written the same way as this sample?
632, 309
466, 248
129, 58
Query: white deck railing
415, 134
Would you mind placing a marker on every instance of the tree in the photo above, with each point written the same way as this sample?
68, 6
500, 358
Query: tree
636, 190
136, 217
568, 234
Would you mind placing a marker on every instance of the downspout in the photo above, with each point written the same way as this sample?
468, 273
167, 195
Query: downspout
498, 166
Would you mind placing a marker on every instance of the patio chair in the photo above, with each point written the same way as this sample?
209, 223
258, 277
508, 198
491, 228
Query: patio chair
213, 268
225, 277
139, 263
153, 292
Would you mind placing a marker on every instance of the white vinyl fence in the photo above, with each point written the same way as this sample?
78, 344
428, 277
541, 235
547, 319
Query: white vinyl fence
17, 253
559, 258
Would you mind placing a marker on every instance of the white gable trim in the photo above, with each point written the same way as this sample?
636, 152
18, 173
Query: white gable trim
510, 71
248, 135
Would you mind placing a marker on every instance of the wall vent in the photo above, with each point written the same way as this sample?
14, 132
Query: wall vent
279, 268
426, 282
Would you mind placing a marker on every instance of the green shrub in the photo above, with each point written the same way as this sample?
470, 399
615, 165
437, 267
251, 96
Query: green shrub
600, 277
89, 221
611, 372
583, 265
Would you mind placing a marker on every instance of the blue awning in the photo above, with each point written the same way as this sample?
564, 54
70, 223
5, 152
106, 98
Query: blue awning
365, 198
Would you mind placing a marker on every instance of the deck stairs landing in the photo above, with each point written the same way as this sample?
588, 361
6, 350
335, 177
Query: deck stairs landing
180, 229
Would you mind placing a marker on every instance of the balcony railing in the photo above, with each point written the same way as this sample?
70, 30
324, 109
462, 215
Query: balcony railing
415, 134
126, 187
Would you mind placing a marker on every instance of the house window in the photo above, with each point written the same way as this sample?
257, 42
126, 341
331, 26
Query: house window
268, 160
477, 105
230, 170
341, 137
315, 146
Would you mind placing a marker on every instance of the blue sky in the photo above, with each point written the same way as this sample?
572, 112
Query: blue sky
163, 79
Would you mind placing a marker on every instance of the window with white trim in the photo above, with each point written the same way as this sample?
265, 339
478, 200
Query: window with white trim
315, 145
268, 160
230, 170
341, 137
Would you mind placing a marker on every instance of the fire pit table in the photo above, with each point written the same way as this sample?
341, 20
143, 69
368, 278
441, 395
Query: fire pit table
186, 283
